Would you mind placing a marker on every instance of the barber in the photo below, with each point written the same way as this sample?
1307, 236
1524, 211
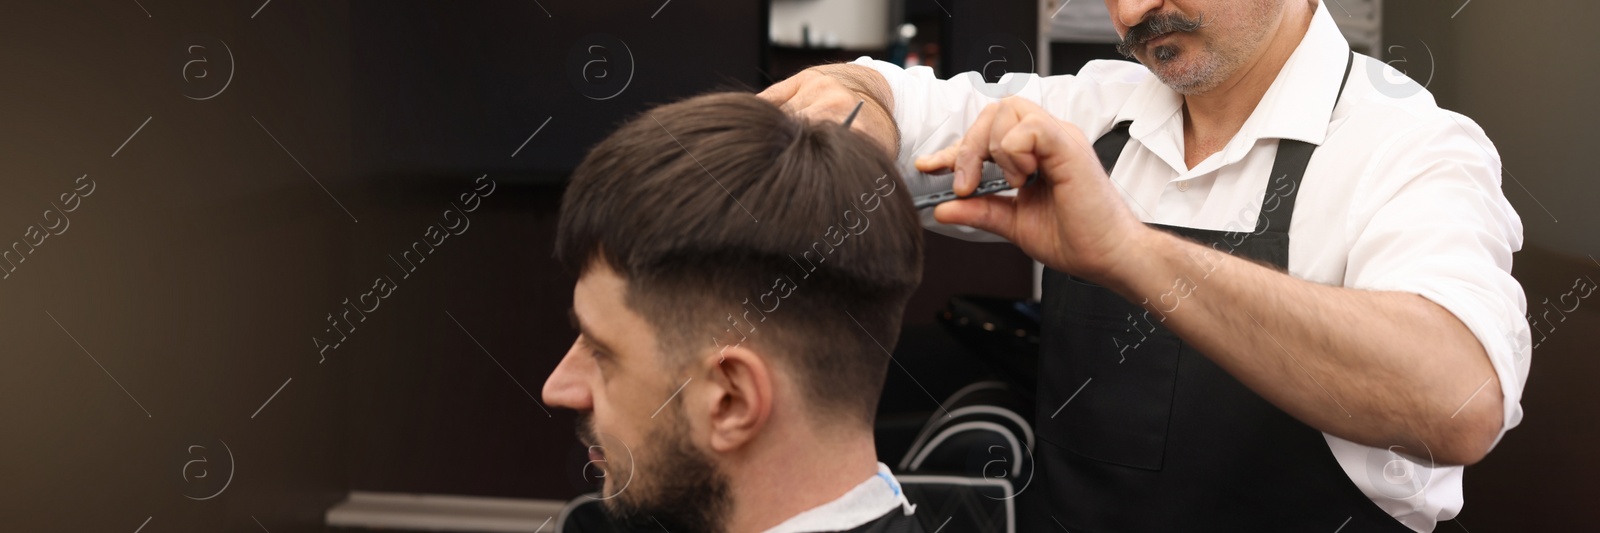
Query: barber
1277, 292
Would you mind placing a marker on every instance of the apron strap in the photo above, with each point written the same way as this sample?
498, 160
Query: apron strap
1109, 146
1288, 169
1288, 166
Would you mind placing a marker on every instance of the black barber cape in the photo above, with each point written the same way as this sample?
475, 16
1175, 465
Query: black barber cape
896, 521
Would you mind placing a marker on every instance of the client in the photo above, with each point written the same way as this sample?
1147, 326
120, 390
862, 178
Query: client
742, 273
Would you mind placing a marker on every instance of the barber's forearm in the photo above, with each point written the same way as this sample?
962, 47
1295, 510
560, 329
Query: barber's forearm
1377, 368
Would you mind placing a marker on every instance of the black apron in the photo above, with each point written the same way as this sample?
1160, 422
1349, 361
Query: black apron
1157, 437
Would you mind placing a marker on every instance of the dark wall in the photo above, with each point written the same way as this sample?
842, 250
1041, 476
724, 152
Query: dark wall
445, 396
1525, 72
983, 36
177, 308
1541, 476
448, 86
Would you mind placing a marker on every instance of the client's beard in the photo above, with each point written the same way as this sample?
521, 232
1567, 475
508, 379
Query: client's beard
682, 488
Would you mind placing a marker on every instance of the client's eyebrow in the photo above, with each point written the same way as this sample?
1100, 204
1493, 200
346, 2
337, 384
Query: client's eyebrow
588, 335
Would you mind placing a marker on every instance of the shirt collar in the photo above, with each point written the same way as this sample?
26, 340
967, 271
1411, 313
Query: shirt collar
1300, 101
868, 501
1297, 105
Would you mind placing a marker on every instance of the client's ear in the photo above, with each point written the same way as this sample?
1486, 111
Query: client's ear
739, 394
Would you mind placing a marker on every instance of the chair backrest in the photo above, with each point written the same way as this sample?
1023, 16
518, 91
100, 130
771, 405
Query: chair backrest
977, 433
965, 504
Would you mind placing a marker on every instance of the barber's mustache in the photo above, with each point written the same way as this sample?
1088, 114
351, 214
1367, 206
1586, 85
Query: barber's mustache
1156, 26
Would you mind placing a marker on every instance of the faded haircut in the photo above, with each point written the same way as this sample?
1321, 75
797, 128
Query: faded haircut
735, 222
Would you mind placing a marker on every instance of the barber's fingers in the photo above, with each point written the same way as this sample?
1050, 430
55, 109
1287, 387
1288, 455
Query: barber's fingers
942, 159
1031, 140
816, 97
832, 105
993, 213
784, 91
971, 151
808, 95
982, 142
1008, 114
1014, 141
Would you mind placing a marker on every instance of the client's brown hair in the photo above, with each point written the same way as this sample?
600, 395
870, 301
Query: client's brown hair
733, 220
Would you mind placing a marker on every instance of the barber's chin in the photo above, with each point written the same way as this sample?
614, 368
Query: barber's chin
1166, 54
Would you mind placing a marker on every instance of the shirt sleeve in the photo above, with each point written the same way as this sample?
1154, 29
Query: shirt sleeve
932, 113
1439, 226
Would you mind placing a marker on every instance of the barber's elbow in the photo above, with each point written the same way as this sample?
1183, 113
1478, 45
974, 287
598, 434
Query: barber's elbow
1471, 433
1465, 453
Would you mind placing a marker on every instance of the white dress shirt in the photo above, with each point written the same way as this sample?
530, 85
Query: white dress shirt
1400, 196
868, 501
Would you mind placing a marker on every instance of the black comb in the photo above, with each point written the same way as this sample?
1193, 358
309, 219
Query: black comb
941, 182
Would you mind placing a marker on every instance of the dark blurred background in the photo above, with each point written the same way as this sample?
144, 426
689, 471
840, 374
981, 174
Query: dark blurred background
257, 164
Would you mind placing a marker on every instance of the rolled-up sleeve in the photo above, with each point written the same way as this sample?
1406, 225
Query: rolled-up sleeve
1432, 220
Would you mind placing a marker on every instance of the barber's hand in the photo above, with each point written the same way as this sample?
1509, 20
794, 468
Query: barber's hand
1072, 219
830, 92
